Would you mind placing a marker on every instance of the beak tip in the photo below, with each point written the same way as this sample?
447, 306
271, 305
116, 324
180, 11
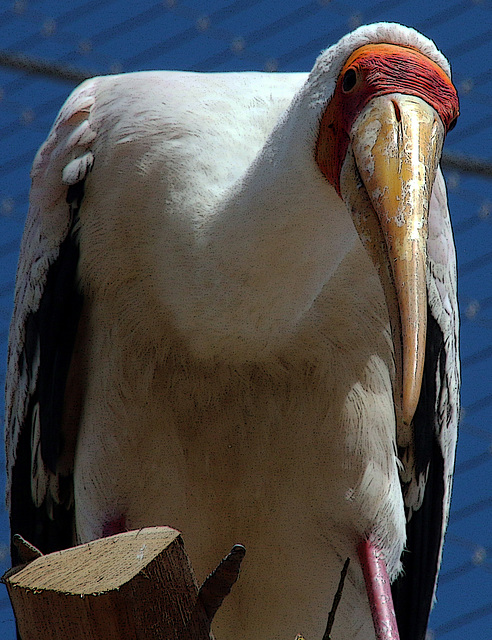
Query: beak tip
412, 385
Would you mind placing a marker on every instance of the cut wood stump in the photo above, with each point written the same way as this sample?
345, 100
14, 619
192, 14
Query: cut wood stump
136, 585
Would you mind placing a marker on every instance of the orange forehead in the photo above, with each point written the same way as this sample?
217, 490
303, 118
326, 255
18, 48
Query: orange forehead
389, 68
370, 51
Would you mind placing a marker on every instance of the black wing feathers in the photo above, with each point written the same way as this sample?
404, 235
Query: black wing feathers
58, 317
413, 591
52, 329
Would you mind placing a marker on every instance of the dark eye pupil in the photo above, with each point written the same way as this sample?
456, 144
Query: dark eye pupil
349, 80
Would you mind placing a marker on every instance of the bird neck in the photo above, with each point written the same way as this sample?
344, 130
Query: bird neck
274, 243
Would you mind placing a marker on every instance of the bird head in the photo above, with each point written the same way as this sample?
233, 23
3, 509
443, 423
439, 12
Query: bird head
379, 145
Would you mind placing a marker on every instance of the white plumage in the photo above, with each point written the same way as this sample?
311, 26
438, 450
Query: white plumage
233, 369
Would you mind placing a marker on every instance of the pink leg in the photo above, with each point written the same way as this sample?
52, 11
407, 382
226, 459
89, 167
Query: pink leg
378, 591
112, 527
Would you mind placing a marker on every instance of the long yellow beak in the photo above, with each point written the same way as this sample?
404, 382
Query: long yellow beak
396, 145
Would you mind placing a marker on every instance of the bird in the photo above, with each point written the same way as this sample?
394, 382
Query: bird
236, 315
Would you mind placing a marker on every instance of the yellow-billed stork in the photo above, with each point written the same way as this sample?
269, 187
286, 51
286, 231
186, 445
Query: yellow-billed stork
236, 314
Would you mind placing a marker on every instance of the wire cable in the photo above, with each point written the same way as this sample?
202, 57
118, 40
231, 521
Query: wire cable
463, 620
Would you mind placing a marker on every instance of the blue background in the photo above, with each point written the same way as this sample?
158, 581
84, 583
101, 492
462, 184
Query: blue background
96, 36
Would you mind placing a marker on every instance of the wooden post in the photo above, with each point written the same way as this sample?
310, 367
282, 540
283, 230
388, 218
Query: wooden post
136, 585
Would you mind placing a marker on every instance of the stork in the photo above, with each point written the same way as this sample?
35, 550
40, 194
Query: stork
235, 314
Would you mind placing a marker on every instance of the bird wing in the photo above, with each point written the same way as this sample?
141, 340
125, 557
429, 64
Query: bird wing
428, 466
43, 331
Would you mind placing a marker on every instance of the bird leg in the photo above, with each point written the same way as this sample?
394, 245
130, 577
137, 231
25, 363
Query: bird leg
114, 526
378, 591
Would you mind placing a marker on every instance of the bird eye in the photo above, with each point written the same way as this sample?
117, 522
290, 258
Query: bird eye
452, 124
349, 80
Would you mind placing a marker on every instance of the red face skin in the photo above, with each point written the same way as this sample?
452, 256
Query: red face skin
375, 70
